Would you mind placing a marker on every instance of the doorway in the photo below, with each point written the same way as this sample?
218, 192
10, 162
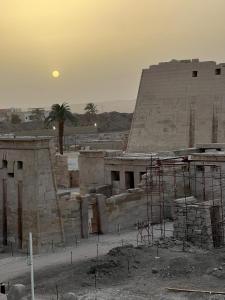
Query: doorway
129, 180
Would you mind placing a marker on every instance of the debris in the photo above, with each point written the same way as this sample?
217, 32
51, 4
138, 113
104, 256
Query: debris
154, 271
17, 292
70, 296
195, 291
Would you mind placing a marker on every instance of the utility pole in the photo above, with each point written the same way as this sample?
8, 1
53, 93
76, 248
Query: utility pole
31, 266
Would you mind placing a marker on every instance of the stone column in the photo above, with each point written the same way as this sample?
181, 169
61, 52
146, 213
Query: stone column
136, 179
84, 215
102, 212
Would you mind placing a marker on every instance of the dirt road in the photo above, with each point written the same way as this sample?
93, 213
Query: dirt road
11, 267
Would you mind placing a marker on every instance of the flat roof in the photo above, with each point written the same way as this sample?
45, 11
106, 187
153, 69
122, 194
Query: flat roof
24, 138
211, 146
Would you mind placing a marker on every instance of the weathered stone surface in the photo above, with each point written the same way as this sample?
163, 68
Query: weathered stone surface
103, 213
69, 296
30, 193
168, 115
16, 292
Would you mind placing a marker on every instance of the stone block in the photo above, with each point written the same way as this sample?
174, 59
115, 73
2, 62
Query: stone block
69, 296
17, 292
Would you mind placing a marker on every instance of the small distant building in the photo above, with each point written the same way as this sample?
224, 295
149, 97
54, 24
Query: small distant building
6, 113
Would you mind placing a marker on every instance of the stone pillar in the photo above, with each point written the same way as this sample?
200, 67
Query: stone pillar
102, 212
122, 181
214, 125
136, 179
84, 215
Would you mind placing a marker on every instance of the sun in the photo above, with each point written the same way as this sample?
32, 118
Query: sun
55, 74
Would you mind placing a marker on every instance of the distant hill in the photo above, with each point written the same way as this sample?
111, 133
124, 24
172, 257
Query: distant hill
123, 106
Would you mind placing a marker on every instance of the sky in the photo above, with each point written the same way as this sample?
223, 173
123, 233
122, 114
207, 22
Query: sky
98, 46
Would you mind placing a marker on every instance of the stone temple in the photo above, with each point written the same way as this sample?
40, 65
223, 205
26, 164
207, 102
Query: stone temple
179, 104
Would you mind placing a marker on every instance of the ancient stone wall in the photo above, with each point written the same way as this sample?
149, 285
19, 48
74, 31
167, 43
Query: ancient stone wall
126, 209
28, 199
179, 104
194, 223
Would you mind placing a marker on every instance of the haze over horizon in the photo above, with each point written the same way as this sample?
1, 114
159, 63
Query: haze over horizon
98, 46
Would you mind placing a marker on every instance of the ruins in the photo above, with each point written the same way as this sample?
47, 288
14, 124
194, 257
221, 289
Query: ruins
166, 190
171, 177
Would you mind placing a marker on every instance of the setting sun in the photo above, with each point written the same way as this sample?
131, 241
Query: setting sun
55, 74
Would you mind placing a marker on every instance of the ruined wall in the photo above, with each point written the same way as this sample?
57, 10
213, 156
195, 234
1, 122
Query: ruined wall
126, 209
92, 168
179, 104
194, 222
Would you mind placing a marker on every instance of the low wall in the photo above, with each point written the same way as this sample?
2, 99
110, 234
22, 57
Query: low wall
126, 209
107, 144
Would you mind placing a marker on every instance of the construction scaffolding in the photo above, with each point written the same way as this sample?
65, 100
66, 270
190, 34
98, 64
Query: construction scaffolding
191, 193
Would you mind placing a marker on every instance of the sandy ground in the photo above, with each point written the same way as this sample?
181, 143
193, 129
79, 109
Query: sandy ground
124, 272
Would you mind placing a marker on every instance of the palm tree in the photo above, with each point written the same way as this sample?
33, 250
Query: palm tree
59, 114
91, 111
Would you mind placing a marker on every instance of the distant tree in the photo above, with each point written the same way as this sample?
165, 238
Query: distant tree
37, 114
15, 119
91, 111
91, 108
59, 114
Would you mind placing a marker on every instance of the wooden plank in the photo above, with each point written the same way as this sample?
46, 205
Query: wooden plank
195, 291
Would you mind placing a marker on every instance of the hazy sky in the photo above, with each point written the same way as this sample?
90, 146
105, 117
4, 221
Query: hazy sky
99, 46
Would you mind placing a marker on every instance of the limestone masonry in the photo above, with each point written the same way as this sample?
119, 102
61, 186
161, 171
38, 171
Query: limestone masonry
28, 199
179, 104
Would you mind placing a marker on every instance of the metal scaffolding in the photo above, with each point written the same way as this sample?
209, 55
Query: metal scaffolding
169, 179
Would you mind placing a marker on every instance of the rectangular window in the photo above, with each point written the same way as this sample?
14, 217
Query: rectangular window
115, 176
129, 180
200, 168
194, 73
4, 163
19, 165
218, 71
